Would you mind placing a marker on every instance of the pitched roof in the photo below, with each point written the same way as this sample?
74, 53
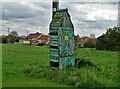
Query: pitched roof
92, 39
83, 40
44, 37
34, 35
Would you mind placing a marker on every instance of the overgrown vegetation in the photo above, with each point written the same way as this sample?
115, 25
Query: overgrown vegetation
28, 66
72, 76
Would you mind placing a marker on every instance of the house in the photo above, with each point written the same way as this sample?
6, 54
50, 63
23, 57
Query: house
61, 32
91, 40
38, 38
24, 41
44, 39
33, 37
82, 41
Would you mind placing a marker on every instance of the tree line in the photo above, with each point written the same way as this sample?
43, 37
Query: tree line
107, 41
110, 40
10, 38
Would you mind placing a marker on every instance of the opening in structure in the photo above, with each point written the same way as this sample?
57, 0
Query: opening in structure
54, 64
55, 47
53, 33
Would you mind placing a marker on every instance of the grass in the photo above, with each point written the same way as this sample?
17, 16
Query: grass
14, 57
28, 66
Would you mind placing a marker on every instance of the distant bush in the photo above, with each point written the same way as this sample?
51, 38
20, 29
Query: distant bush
90, 45
41, 44
3, 39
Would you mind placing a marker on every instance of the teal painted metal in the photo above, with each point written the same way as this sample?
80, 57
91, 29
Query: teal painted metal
61, 40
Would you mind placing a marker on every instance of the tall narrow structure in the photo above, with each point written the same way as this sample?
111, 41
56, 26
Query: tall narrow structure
61, 32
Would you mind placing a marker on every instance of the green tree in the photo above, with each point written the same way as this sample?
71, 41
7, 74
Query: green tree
13, 36
13, 33
110, 40
3, 39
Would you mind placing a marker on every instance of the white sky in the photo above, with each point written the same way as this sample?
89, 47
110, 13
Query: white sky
35, 16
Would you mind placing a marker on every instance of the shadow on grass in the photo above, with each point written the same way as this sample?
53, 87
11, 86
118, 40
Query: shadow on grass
86, 63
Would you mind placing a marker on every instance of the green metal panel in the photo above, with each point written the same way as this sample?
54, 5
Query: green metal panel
61, 40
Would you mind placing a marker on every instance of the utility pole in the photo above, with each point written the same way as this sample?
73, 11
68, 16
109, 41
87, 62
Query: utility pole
8, 31
27, 32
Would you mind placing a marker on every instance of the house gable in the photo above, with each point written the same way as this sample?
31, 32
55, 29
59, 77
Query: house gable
34, 36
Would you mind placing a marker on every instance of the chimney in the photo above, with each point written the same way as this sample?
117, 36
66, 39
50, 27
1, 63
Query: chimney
55, 6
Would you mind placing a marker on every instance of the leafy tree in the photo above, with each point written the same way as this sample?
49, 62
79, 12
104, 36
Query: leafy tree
3, 39
13, 33
101, 42
13, 37
110, 40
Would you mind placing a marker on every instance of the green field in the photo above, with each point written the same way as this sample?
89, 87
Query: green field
28, 66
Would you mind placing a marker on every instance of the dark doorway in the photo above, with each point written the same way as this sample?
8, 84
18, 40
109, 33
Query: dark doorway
54, 64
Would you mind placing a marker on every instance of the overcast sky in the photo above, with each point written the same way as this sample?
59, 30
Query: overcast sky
87, 17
